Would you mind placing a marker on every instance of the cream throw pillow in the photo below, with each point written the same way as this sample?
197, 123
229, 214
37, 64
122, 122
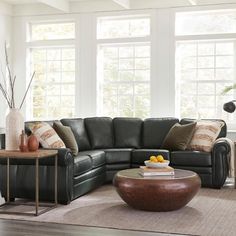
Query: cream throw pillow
46, 135
205, 135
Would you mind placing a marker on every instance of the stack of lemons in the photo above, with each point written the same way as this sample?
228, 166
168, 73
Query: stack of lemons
157, 159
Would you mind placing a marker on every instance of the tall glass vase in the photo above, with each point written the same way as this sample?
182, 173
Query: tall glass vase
14, 127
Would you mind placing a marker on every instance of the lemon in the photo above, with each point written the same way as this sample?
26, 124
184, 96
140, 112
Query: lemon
160, 158
153, 159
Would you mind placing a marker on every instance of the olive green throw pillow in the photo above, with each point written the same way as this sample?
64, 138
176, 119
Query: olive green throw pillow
179, 137
66, 134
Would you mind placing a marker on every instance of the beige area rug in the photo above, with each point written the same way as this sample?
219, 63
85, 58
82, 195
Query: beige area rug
211, 212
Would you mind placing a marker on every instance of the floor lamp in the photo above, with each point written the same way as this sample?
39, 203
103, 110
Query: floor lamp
230, 106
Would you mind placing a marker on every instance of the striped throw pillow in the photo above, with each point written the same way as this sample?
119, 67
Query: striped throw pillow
46, 135
205, 135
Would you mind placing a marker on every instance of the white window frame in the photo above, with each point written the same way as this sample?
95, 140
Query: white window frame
204, 37
58, 43
122, 41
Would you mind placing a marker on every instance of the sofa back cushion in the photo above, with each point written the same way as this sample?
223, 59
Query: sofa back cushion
155, 131
222, 133
127, 132
78, 128
100, 132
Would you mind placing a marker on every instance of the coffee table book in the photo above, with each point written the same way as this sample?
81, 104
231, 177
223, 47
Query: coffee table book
147, 171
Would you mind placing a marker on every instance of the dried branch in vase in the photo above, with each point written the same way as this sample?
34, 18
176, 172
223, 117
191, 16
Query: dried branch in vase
9, 81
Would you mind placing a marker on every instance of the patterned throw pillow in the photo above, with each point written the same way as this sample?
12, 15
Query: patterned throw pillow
46, 135
205, 135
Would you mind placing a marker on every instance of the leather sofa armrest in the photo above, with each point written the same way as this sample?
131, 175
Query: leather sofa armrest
220, 162
65, 158
222, 146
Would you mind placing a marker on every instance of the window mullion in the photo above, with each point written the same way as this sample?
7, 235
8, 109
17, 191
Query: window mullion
55, 61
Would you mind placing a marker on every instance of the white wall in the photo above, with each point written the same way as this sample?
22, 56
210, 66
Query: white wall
86, 99
5, 36
20, 58
162, 67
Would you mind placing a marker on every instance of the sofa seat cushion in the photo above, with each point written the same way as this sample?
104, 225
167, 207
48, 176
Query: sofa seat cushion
190, 158
97, 156
118, 155
82, 164
140, 155
89, 175
88, 160
121, 166
205, 174
100, 132
197, 169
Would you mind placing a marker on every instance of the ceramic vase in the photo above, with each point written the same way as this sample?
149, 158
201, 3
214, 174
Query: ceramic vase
33, 143
14, 127
23, 142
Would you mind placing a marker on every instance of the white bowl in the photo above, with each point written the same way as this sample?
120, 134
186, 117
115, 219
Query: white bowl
157, 164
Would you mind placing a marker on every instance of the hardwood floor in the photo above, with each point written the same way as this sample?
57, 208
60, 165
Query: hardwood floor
27, 228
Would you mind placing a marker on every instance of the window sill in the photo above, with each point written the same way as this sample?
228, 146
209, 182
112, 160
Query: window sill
231, 131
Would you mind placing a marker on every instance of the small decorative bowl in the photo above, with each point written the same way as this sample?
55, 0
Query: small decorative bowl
157, 164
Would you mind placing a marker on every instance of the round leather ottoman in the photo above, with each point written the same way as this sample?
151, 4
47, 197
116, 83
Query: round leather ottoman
156, 193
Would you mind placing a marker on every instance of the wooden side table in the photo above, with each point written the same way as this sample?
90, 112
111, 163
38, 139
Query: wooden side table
36, 156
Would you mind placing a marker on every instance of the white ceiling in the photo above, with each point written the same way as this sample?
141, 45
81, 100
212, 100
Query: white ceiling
157, 2
96, 5
14, 2
20, 2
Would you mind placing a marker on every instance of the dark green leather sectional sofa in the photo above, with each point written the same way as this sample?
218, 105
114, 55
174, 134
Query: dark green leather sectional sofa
106, 146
